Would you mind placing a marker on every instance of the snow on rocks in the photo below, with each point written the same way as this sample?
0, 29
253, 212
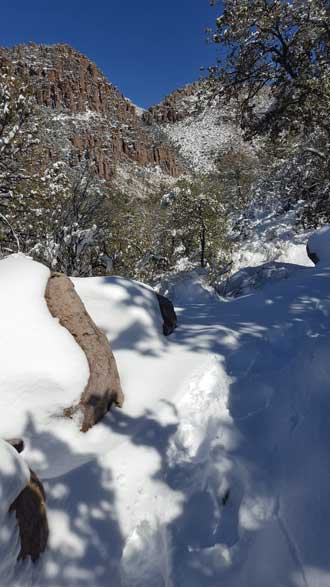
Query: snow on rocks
23, 520
318, 246
43, 370
14, 476
249, 279
31, 515
103, 388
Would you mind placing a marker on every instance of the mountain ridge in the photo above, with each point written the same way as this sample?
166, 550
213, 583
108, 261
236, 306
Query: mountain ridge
83, 107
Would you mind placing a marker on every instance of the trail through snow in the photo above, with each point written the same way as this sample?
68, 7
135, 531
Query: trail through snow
216, 472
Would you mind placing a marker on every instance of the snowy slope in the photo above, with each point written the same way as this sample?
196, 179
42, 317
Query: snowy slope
201, 138
218, 474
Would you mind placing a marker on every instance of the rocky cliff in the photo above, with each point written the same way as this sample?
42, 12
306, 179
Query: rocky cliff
178, 105
84, 116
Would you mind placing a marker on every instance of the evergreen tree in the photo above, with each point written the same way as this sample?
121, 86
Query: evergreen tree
197, 223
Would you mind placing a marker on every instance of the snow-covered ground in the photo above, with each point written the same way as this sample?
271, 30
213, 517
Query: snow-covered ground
273, 233
216, 471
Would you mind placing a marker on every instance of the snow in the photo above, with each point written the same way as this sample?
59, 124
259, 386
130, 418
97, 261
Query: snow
76, 117
138, 109
128, 313
202, 137
43, 370
319, 244
216, 470
246, 280
272, 235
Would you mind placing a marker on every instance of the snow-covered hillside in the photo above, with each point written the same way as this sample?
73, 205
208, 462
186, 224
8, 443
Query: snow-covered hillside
201, 138
216, 470
199, 123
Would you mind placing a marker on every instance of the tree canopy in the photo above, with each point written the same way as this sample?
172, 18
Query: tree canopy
278, 50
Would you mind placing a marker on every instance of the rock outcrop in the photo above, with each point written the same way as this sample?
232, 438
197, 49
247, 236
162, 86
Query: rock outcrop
103, 388
177, 106
86, 117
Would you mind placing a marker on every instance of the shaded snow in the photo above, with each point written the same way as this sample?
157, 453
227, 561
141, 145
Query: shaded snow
220, 476
271, 235
14, 476
216, 469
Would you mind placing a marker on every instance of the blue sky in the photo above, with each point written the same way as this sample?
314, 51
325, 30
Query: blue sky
145, 47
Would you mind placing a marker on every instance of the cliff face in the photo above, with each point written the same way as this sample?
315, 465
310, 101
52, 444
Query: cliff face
179, 105
85, 116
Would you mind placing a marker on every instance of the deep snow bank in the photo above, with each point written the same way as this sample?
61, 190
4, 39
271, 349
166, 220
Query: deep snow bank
43, 370
128, 313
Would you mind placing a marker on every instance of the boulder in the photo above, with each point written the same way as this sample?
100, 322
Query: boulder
31, 515
16, 443
313, 256
168, 314
103, 388
318, 246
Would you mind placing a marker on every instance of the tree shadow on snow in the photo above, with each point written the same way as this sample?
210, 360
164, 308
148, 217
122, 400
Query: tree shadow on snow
274, 346
85, 543
257, 502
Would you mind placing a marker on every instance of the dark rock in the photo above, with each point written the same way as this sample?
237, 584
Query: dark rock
168, 314
313, 256
17, 443
31, 515
103, 388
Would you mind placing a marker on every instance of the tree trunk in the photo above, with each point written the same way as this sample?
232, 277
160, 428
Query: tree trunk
203, 243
